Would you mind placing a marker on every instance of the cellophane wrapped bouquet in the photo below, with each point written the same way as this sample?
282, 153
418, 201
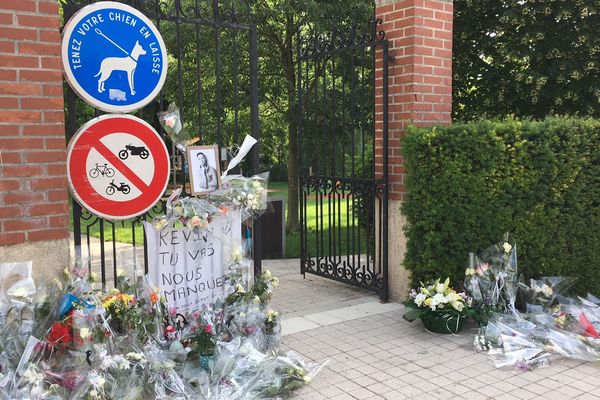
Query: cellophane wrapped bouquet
548, 324
70, 339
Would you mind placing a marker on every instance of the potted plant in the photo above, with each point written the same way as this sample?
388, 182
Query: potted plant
440, 308
204, 344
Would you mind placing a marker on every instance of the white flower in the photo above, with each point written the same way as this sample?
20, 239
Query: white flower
267, 275
136, 356
121, 362
275, 282
93, 394
256, 300
420, 298
32, 376
307, 378
546, 290
84, 333
239, 288
457, 305
507, 247
469, 271
96, 380
236, 255
120, 272
439, 298
159, 224
271, 315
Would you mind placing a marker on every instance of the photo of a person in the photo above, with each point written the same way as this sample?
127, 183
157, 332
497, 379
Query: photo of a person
203, 169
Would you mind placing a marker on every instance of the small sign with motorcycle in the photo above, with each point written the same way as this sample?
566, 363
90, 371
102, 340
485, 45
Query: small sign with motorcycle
117, 166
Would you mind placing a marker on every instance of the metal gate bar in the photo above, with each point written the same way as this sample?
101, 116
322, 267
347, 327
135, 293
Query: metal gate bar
348, 239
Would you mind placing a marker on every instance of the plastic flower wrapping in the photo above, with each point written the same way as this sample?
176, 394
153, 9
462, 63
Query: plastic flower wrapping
171, 122
69, 339
491, 280
249, 194
528, 325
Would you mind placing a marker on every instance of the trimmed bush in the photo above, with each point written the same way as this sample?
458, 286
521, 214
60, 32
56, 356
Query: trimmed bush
471, 182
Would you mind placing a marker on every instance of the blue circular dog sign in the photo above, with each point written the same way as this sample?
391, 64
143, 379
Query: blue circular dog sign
114, 57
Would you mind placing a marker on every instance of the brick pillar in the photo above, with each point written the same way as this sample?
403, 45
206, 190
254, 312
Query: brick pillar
420, 93
34, 209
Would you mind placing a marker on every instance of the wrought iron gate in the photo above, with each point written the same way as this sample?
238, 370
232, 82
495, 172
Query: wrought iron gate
343, 201
213, 79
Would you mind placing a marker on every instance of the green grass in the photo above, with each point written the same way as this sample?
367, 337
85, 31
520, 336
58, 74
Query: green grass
344, 228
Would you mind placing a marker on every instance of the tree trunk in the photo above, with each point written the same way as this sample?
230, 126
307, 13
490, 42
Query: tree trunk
292, 160
293, 224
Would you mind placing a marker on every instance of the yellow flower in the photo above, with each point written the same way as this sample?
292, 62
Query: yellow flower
428, 301
126, 298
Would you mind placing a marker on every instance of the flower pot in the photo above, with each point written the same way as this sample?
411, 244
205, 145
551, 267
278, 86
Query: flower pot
443, 323
207, 362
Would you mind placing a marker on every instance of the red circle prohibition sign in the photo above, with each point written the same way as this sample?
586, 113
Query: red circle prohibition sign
89, 138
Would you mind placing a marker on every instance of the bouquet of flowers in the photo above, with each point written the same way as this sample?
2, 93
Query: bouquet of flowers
173, 126
438, 300
491, 280
541, 293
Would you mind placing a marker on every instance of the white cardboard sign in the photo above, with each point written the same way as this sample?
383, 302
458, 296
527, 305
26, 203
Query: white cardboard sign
189, 265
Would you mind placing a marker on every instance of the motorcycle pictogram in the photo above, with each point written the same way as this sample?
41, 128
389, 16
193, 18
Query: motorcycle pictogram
135, 151
103, 170
113, 188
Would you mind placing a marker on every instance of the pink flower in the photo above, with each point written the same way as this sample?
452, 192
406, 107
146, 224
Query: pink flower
482, 269
208, 329
170, 121
173, 311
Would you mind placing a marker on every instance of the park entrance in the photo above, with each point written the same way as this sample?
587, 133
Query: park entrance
343, 202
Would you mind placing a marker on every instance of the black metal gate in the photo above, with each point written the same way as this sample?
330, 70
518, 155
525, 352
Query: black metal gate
213, 79
343, 201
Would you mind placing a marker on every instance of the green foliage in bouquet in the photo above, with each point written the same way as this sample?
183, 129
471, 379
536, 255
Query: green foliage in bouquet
470, 182
293, 378
204, 341
259, 293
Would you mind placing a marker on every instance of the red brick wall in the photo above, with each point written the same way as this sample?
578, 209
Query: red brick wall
420, 77
33, 186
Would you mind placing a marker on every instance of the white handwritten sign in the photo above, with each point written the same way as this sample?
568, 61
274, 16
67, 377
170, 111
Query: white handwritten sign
189, 265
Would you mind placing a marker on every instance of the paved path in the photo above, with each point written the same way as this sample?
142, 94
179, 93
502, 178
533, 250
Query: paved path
373, 353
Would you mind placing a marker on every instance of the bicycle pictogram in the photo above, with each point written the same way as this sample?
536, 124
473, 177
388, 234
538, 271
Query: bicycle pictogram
103, 170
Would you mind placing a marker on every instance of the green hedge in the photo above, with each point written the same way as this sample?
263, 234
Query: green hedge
471, 182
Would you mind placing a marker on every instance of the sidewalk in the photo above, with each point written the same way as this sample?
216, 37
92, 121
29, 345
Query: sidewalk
373, 353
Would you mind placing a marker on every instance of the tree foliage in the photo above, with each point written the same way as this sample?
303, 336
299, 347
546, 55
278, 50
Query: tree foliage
527, 58
278, 22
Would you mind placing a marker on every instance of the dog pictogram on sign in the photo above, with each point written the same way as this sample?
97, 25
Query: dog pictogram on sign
114, 57
117, 166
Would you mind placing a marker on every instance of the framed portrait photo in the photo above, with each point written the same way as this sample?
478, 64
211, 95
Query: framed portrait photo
203, 166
